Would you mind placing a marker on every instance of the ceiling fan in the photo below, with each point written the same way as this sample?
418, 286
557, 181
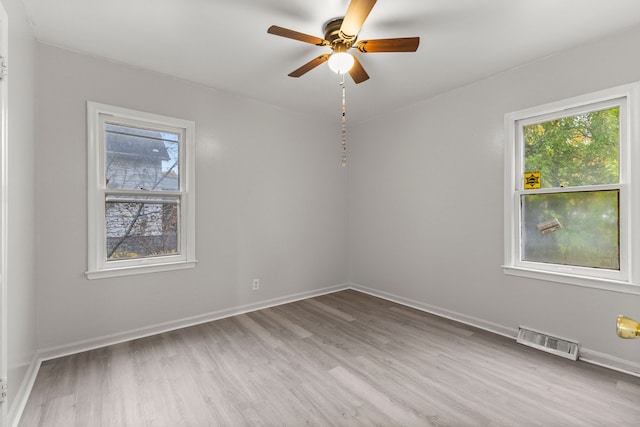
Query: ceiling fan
340, 35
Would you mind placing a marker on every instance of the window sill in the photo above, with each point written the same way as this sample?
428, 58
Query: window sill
139, 269
573, 280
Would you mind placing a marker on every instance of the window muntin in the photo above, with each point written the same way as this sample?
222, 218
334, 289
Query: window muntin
142, 161
141, 210
560, 222
587, 201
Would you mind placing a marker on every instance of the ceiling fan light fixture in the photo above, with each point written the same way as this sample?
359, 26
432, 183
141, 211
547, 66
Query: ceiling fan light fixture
341, 62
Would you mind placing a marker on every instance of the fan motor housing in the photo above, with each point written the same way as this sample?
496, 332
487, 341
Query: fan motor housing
332, 35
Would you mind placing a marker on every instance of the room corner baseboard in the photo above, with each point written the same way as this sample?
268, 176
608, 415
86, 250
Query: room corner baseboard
93, 343
22, 395
441, 312
19, 401
585, 354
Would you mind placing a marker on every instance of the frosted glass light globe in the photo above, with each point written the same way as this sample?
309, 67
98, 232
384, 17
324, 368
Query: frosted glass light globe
341, 62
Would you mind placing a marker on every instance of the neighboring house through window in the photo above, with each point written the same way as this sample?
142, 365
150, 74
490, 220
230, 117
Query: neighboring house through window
571, 213
141, 204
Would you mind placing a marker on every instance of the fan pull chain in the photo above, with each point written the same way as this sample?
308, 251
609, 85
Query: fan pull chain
344, 124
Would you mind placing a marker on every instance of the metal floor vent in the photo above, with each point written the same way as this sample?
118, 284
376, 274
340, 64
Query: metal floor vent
548, 343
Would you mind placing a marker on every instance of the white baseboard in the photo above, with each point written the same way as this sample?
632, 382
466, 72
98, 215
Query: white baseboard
22, 395
19, 401
610, 362
585, 354
23, 392
447, 314
93, 343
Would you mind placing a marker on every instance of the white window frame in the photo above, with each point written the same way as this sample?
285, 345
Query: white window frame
98, 266
627, 279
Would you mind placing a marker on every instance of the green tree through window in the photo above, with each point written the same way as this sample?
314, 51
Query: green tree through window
572, 153
576, 150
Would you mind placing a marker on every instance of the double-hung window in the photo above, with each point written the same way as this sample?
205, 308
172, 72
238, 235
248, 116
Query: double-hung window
571, 209
141, 192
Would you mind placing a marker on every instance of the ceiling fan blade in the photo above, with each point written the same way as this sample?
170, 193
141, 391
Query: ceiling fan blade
406, 44
357, 13
357, 72
310, 65
290, 34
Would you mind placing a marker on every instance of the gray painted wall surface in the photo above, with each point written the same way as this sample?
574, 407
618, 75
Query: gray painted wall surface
426, 201
270, 202
21, 257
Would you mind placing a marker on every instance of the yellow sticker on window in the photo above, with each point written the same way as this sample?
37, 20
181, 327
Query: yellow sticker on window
531, 180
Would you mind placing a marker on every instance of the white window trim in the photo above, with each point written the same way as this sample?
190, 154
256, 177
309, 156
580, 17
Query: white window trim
625, 281
97, 265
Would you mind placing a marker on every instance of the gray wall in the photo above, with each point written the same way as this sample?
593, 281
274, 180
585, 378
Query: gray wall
21, 256
426, 203
270, 194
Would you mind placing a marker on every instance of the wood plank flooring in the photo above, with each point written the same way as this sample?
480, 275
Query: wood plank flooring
344, 359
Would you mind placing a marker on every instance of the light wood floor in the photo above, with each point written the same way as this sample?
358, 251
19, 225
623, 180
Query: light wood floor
341, 359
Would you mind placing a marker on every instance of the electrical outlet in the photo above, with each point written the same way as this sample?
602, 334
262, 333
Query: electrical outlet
256, 284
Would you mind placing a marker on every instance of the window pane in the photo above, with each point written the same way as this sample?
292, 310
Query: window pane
589, 233
141, 159
139, 228
574, 151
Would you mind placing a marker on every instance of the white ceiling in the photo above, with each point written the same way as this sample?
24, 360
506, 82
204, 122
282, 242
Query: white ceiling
224, 43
